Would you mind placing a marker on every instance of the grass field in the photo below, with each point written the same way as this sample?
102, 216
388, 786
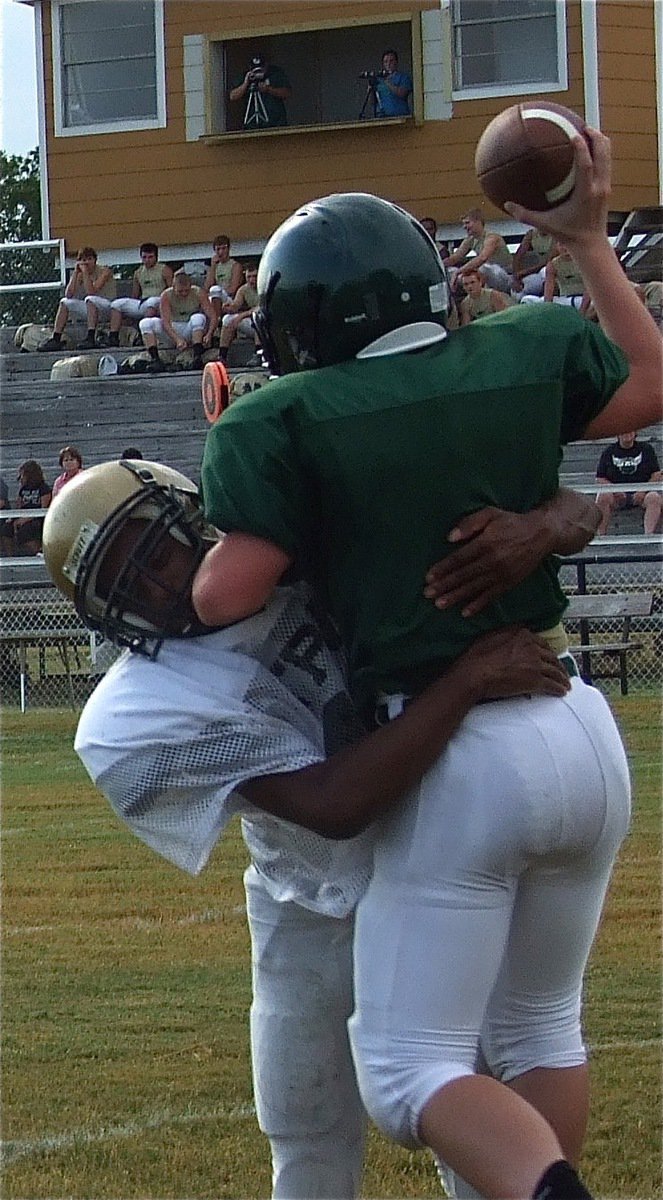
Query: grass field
126, 989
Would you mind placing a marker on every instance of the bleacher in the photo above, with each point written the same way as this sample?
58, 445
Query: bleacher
163, 415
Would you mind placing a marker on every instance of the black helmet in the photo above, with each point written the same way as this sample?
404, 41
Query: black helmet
341, 272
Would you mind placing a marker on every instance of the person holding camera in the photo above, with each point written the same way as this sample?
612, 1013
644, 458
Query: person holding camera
393, 88
265, 88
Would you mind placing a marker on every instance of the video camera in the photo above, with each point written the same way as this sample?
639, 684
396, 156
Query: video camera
373, 76
257, 70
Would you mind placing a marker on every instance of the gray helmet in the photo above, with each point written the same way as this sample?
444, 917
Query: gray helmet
341, 272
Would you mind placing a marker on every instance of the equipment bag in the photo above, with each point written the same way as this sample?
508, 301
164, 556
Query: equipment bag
29, 338
78, 366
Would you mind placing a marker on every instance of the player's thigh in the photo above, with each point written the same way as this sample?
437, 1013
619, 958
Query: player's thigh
99, 302
75, 306
432, 926
533, 1017
149, 307
521, 780
302, 996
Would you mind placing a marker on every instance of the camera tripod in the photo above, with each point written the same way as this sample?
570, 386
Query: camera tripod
372, 98
256, 113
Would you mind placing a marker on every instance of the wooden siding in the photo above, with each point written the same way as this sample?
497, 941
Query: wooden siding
116, 190
628, 98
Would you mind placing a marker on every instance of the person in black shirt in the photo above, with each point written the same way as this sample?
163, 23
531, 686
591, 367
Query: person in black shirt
629, 461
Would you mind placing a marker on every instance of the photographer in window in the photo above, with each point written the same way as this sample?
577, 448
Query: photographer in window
265, 88
393, 88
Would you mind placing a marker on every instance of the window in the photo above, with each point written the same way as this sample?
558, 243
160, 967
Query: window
323, 66
504, 47
108, 61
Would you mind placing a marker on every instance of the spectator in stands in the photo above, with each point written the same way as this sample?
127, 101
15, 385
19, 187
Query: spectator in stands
132, 452
654, 300
225, 274
265, 89
490, 252
563, 282
33, 492
430, 225
89, 293
629, 461
529, 263
6, 527
237, 315
187, 319
480, 301
149, 281
393, 88
71, 461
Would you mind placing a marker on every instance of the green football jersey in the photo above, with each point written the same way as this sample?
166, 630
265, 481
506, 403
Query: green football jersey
360, 470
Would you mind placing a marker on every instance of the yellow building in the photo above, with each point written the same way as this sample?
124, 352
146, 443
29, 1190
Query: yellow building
140, 140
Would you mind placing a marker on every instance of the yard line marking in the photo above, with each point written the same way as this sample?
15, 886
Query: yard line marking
207, 917
18, 1148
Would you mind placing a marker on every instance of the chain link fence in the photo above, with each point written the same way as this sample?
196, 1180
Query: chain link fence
601, 573
49, 659
32, 280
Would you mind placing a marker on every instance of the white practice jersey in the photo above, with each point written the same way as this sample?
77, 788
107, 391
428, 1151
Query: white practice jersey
170, 741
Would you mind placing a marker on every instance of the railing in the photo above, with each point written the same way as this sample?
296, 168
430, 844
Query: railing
32, 278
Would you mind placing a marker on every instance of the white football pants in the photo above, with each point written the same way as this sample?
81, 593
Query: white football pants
306, 1094
130, 307
474, 933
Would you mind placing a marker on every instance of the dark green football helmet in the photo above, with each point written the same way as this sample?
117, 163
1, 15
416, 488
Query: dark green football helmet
341, 272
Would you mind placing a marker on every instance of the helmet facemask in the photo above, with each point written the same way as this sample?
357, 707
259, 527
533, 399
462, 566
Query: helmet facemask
120, 569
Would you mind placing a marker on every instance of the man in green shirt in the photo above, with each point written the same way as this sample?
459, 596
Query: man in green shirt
475, 930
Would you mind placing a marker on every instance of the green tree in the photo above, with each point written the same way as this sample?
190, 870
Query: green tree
20, 221
20, 204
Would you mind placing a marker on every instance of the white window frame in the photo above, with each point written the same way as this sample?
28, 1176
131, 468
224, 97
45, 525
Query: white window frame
119, 126
519, 89
215, 88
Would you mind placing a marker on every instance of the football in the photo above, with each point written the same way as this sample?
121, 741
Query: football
526, 155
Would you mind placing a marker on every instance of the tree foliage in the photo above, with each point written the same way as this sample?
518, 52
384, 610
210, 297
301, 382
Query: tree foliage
20, 221
20, 204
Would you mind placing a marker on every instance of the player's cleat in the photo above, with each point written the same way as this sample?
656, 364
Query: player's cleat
561, 1182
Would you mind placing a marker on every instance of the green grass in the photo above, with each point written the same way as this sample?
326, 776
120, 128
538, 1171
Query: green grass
126, 988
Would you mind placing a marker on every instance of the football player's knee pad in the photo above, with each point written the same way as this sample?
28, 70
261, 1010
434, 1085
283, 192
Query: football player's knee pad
395, 1086
303, 1075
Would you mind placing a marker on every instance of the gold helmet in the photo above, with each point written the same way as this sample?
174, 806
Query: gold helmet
111, 592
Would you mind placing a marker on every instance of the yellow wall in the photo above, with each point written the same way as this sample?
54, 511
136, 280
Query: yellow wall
628, 98
116, 190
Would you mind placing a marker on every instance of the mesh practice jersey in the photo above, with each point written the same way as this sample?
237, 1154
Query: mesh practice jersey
169, 742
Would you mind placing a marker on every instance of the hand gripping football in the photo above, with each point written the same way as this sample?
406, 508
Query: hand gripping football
526, 155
